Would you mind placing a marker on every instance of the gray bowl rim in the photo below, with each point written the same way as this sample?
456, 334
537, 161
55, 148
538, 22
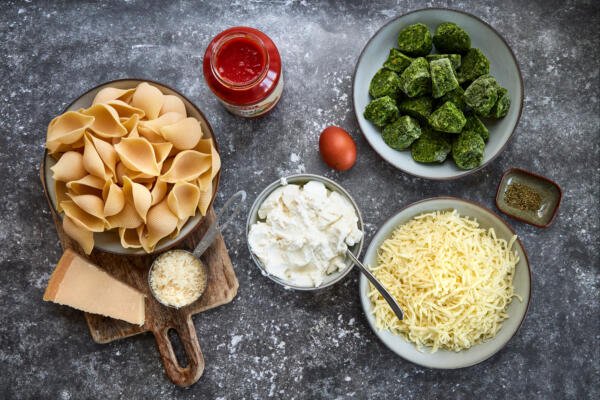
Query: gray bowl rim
510, 137
500, 220
304, 177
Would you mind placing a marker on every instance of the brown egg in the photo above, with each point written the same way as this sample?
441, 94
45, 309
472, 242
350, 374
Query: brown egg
337, 148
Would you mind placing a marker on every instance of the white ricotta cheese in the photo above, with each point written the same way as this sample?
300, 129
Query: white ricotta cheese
304, 233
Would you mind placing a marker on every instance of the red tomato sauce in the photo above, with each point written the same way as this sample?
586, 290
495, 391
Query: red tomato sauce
240, 60
242, 67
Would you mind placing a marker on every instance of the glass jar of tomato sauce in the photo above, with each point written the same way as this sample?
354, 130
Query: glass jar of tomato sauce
242, 67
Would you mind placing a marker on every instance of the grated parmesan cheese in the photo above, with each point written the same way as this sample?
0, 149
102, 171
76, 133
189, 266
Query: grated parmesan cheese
178, 278
452, 278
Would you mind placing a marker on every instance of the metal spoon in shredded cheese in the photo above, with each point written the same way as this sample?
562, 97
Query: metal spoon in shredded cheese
386, 295
203, 245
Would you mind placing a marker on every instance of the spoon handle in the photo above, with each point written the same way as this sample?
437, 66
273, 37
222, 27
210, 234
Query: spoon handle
214, 228
386, 295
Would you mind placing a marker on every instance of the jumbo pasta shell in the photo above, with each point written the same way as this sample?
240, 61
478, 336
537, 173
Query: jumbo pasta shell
207, 146
127, 218
69, 167
81, 218
114, 199
111, 93
138, 195
187, 166
130, 238
60, 188
84, 237
89, 184
161, 222
162, 151
159, 191
184, 134
204, 200
138, 154
150, 134
183, 199
54, 148
131, 125
164, 120
92, 162
125, 110
67, 128
149, 98
173, 104
106, 121
89, 203
107, 153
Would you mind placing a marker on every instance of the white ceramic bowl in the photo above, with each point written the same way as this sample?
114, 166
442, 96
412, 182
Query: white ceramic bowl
109, 241
444, 359
301, 179
503, 66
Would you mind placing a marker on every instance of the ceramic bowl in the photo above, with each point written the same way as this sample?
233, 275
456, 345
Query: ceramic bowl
301, 179
517, 310
109, 241
503, 66
548, 189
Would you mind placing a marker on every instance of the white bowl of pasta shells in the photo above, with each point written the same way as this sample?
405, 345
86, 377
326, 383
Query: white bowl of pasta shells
131, 167
410, 259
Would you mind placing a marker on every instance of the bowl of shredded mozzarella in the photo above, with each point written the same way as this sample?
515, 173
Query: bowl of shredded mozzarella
460, 274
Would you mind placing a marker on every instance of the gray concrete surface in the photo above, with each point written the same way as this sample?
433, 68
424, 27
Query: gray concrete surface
271, 343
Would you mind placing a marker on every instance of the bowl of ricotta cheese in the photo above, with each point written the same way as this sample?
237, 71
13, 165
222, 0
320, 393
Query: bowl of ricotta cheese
299, 229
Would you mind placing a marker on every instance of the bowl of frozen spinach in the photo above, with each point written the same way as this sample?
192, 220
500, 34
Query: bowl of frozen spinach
437, 93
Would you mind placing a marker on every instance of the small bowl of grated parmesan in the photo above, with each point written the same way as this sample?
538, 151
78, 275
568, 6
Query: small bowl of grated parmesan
177, 278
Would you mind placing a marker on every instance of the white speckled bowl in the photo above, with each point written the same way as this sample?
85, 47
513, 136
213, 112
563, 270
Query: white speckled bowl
517, 310
503, 66
301, 179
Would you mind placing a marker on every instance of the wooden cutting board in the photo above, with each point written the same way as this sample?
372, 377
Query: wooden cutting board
133, 270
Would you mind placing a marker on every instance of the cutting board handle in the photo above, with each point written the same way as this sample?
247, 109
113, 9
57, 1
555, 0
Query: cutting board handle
187, 334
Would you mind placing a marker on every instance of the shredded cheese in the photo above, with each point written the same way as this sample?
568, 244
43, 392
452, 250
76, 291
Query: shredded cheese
178, 278
452, 278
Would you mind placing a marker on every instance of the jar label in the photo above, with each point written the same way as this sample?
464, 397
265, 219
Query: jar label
257, 109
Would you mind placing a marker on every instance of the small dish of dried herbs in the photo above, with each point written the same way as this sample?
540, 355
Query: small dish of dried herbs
528, 197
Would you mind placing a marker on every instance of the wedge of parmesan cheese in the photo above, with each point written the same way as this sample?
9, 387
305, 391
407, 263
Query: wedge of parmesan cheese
80, 284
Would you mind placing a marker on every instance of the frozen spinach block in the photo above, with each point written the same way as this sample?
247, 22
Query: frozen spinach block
415, 40
467, 150
456, 96
419, 107
397, 61
482, 94
415, 80
430, 147
474, 124
473, 65
454, 59
451, 38
502, 105
447, 118
381, 111
401, 133
385, 83
443, 79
